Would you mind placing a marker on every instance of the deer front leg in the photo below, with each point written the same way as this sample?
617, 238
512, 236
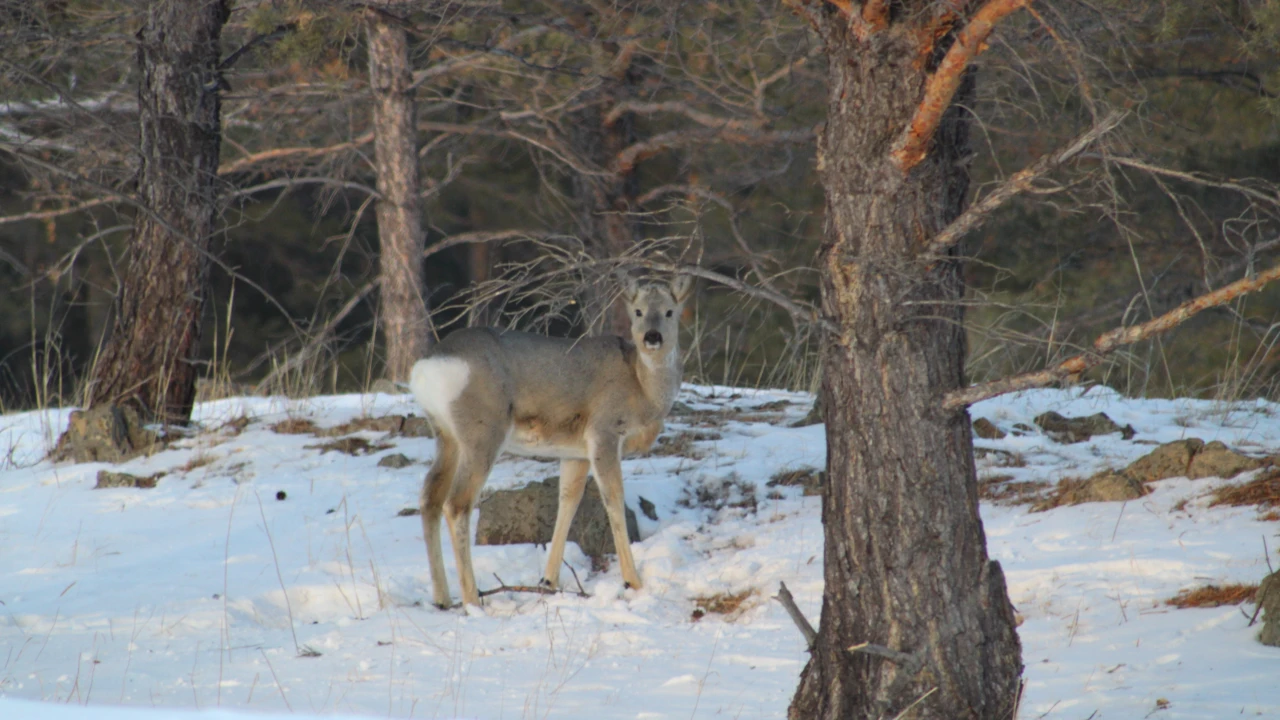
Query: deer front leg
573, 481
606, 465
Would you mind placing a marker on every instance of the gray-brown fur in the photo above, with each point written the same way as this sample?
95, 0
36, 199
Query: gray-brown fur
586, 401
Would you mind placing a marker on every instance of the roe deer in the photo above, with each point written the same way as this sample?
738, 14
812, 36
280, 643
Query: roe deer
586, 401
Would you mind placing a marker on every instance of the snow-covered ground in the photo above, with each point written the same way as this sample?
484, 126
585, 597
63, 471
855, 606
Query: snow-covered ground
210, 592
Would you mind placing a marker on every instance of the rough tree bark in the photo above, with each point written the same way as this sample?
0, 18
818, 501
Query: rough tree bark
146, 362
401, 236
905, 562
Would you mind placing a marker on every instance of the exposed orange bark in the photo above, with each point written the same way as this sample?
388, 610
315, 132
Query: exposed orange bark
910, 149
875, 15
1109, 341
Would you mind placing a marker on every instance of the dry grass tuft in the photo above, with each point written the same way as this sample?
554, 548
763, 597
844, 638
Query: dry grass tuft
1263, 491
407, 426
294, 426
351, 446
809, 478
730, 605
1212, 596
199, 460
681, 444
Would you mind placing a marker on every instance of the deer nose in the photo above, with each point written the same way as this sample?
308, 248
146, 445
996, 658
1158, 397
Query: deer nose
653, 339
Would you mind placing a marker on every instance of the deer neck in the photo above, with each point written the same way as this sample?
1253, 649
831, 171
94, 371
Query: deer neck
659, 376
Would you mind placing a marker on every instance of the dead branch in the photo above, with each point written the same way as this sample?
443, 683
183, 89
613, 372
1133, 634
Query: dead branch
1018, 183
1271, 199
679, 108
317, 339
801, 313
797, 617
48, 214
706, 193
293, 152
631, 155
897, 657
1109, 341
535, 589
294, 182
484, 236
970, 42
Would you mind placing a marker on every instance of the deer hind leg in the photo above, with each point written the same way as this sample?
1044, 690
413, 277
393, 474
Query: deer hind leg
436, 489
473, 470
573, 481
606, 465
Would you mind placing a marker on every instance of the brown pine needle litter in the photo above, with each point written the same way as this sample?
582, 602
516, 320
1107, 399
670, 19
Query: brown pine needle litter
1263, 491
1211, 596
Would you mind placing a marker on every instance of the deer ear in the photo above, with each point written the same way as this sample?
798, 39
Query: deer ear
682, 287
630, 288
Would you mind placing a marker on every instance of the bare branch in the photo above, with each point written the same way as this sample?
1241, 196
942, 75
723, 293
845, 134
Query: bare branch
797, 617
1272, 198
485, 236
633, 154
1019, 182
802, 313
47, 214
911, 147
293, 182
1109, 341
680, 108
292, 152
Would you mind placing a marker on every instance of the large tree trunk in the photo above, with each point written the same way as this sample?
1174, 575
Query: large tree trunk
401, 236
905, 561
147, 361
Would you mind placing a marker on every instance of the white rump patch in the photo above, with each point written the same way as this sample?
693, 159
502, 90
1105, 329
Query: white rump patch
436, 382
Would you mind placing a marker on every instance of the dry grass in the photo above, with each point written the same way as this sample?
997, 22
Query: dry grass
716, 494
681, 444
198, 460
408, 426
999, 458
1004, 490
1263, 492
294, 426
351, 446
810, 478
730, 605
1212, 596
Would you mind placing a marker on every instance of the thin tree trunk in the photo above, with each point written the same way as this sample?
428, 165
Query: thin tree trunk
405, 322
147, 361
905, 562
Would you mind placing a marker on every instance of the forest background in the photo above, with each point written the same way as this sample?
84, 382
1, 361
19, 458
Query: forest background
549, 146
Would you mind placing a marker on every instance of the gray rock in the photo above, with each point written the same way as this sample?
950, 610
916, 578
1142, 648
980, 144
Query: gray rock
1191, 458
1073, 430
528, 515
105, 433
1217, 460
1169, 460
987, 430
395, 460
1106, 486
107, 479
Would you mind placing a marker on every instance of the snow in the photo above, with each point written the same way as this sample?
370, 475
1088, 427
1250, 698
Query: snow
207, 592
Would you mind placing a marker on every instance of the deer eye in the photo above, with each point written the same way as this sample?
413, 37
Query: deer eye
668, 313
638, 313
